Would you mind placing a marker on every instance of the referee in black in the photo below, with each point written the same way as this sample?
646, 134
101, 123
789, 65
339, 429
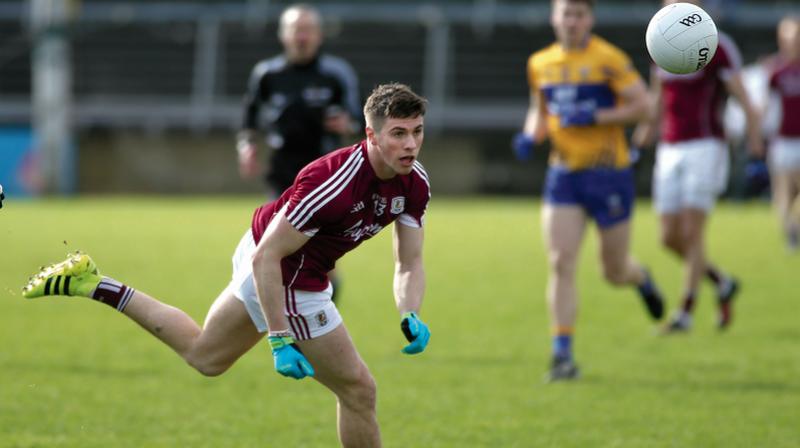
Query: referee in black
303, 100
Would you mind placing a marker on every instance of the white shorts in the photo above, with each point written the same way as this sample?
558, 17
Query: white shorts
311, 313
689, 174
784, 155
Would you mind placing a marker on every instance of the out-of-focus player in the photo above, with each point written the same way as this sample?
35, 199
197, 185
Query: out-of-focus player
582, 91
692, 165
784, 153
303, 100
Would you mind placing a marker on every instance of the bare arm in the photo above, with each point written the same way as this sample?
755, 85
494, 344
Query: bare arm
536, 119
409, 273
647, 129
279, 241
755, 142
635, 104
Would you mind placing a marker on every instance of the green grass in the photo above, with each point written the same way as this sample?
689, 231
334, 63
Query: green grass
73, 373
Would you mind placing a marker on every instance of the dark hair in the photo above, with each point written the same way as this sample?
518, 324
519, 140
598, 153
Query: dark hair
393, 101
589, 3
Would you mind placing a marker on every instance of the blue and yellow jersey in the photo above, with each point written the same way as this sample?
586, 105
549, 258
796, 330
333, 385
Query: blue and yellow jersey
592, 76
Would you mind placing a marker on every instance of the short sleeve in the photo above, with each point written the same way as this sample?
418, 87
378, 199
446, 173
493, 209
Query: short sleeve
771, 66
531, 72
728, 58
621, 70
313, 202
418, 198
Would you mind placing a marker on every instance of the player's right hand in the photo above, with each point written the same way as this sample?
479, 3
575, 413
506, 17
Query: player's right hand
289, 360
416, 332
522, 144
249, 165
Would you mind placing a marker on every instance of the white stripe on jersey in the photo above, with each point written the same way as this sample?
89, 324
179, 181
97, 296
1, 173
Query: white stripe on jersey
330, 197
320, 192
407, 219
299, 267
421, 171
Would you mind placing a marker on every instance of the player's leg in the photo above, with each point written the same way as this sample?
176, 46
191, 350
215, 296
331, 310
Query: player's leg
563, 227
227, 334
793, 218
671, 185
693, 239
339, 367
781, 199
671, 227
785, 185
621, 268
701, 176
784, 165
228, 331
608, 196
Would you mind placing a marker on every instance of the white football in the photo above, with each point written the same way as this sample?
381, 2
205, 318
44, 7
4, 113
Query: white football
681, 38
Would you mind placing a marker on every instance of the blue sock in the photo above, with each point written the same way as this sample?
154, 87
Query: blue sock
562, 346
647, 287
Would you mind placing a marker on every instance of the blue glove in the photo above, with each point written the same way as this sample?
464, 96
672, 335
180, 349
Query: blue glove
416, 332
578, 117
634, 154
289, 360
523, 146
756, 173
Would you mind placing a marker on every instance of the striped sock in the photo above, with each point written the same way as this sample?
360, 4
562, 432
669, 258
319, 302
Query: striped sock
113, 293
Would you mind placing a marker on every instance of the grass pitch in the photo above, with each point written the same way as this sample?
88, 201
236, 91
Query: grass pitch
77, 374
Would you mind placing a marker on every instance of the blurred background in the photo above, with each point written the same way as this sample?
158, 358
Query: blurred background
102, 96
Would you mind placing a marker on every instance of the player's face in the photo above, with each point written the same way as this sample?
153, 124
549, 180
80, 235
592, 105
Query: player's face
397, 143
301, 35
789, 38
572, 22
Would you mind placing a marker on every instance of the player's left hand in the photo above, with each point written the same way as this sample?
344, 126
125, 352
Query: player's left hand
416, 332
522, 144
337, 121
289, 360
582, 116
634, 154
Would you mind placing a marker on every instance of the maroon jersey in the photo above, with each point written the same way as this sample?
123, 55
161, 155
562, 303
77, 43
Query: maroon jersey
339, 201
785, 80
693, 104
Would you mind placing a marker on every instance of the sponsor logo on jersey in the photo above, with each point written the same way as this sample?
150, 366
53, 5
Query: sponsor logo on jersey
317, 96
357, 207
398, 205
358, 231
